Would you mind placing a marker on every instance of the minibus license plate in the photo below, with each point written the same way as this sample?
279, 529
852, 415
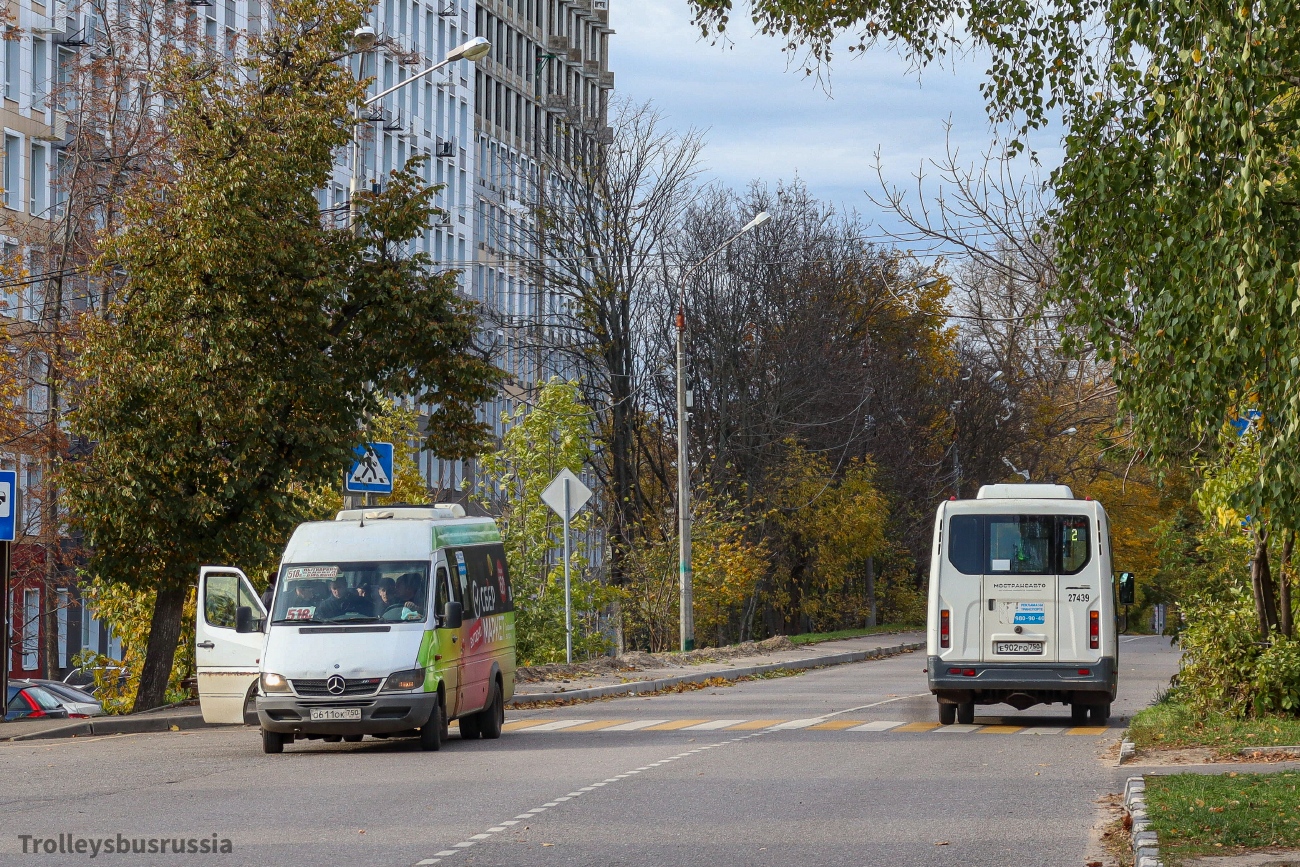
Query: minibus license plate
335, 713
1019, 647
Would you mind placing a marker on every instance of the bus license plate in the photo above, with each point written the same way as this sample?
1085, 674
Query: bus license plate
335, 713
1018, 647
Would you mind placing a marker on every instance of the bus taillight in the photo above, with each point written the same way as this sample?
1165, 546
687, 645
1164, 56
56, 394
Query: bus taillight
945, 632
1094, 630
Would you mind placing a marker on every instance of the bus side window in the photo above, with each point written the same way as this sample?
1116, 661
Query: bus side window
440, 591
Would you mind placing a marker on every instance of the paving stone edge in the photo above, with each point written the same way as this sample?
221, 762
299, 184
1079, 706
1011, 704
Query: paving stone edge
119, 725
649, 686
1146, 847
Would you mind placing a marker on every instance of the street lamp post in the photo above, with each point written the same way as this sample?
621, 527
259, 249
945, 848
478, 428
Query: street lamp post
364, 39
686, 613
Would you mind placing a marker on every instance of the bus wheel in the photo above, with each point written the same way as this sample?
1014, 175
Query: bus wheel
1078, 714
947, 713
272, 742
1099, 713
431, 732
966, 713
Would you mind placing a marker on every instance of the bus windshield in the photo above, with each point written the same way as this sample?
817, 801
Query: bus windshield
395, 591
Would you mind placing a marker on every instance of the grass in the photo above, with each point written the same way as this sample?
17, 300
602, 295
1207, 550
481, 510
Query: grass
819, 637
1170, 724
1196, 814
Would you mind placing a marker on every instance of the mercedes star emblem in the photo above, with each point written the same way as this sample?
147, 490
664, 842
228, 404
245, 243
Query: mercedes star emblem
336, 685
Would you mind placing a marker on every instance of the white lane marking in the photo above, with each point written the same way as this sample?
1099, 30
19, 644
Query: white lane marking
635, 725
876, 704
1046, 731
714, 724
536, 812
957, 729
799, 723
556, 726
880, 725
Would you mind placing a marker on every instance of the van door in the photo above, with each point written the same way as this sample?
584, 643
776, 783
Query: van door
447, 641
476, 663
228, 661
1020, 584
1079, 589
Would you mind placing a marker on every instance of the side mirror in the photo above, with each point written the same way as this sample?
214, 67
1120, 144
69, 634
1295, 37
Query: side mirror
1127, 588
244, 621
453, 615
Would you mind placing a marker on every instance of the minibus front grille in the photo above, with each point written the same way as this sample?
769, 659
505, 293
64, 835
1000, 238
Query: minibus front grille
320, 688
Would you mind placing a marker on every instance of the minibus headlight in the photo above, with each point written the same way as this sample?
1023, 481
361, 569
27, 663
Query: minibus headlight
405, 680
274, 682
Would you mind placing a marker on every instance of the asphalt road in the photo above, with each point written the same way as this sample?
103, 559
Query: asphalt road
701, 778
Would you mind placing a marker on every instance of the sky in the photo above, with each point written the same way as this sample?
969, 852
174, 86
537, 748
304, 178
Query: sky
767, 121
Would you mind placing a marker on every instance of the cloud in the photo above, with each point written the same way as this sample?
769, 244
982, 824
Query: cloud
768, 121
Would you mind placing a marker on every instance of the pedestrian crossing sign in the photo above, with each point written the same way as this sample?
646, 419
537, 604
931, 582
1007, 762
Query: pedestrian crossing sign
372, 470
8, 505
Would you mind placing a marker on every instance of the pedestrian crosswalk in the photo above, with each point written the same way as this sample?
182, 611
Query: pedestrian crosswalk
539, 725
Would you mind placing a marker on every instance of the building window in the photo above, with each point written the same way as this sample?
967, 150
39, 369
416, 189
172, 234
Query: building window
13, 172
31, 633
40, 182
13, 63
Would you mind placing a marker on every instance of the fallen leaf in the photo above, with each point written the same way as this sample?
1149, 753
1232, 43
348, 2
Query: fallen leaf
548, 844
362, 831
942, 843
1093, 864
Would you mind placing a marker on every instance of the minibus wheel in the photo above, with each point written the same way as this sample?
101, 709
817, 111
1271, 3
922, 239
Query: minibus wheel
1099, 713
947, 713
272, 742
1078, 714
431, 731
966, 713
353, 739
493, 716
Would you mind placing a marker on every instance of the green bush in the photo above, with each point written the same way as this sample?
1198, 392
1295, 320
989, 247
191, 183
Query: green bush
1220, 651
1276, 684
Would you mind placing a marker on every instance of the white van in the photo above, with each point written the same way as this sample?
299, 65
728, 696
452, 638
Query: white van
1022, 604
383, 622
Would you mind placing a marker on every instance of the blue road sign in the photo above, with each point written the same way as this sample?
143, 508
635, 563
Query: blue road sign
372, 471
8, 505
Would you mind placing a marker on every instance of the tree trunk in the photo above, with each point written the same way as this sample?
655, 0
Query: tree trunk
164, 634
1262, 586
1284, 588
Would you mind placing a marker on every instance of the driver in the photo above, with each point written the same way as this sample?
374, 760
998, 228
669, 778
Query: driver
402, 605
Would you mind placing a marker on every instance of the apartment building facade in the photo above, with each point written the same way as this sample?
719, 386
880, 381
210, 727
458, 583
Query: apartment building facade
486, 131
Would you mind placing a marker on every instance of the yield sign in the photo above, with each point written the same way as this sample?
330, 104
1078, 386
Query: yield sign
566, 486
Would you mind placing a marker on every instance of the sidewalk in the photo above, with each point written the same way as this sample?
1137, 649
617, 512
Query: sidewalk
163, 720
647, 680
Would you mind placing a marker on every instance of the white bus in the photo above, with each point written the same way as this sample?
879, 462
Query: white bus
1022, 604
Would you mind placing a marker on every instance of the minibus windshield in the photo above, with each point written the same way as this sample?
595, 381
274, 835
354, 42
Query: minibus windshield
368, 592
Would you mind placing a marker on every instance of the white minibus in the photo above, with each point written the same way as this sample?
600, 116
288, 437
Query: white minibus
1022, 604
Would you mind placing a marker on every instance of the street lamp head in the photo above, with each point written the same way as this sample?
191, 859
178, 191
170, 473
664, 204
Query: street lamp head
364, 38
996, 376
759, 219
1070, 431
926, 283
476, 49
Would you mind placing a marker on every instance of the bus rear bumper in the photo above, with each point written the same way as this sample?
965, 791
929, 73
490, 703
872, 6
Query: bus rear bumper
1022, 684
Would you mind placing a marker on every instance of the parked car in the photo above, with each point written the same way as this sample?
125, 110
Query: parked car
84, 678
77, 702
26, 700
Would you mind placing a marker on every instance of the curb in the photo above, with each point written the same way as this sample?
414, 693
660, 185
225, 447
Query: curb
649, 686
1269, 751
1146, 847
1126, 751
133, 724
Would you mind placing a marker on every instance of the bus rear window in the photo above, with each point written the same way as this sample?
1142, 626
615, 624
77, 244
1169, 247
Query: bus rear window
1019, 544
965, 544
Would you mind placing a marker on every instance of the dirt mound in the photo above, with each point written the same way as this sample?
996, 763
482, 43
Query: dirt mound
639, 661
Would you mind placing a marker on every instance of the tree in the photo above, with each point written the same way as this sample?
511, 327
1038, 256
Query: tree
248, 342
552, 435
596, 245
